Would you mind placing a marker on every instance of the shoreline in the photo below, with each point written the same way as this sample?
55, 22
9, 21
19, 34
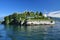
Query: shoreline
39, 22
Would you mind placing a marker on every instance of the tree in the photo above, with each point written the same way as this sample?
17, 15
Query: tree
14, 16
6, 20
27, 14
40, 14
19, 17
10, 18
32, 14
37, 14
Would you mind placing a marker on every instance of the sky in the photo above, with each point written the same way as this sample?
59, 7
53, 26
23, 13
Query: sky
8, 7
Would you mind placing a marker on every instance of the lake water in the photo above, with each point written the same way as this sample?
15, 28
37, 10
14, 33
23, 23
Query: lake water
41, 32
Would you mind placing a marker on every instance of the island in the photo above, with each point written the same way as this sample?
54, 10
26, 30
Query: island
27, 18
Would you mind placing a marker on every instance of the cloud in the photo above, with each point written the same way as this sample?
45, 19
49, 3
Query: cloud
54, 14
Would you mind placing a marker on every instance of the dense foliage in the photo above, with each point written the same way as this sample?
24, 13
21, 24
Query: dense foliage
15, 18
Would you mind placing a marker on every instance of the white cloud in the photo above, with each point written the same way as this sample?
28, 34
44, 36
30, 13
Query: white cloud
54, 14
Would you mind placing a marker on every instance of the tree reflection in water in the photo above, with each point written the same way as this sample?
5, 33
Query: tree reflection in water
17, 32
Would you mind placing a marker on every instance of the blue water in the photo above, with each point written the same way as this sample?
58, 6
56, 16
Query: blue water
40, 32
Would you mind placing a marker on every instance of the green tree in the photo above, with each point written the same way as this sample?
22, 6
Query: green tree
15, 16
24, 14
32, 14
28, 14
37, 14
10, 18
6, 20
19, 17
40, 14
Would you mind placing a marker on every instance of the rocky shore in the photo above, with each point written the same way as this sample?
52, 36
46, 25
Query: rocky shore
38, 23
